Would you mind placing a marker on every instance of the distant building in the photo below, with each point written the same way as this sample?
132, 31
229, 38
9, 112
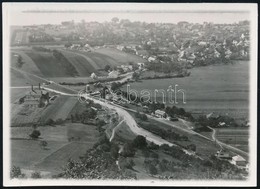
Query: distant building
151, 59
93, 76
113, 74
223, 154
160, 113
140, 65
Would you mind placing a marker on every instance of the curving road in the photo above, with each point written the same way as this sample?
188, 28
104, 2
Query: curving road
132, 123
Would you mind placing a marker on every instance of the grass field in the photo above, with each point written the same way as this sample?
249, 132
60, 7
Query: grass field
17, 93
48, 64
81, 63
64, 142
28, 66
222, 89
20, 78
59, 109
119, 56
26, 153
20, 37
237, 137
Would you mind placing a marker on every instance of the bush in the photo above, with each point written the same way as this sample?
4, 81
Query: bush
153, 146
128, 150
16, 172
36, 175
152, 169
139, 142
35, 134
114, 151
126, 163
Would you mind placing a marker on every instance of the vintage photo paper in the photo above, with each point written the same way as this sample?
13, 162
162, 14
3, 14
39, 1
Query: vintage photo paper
129, 94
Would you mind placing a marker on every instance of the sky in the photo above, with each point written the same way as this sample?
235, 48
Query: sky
167, 13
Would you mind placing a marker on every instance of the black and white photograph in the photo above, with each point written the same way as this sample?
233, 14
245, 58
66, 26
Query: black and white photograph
130, 94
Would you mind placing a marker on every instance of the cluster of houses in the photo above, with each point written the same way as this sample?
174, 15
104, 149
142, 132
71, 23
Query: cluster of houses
188, 51
237, 160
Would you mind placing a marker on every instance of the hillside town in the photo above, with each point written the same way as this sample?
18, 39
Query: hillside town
71, 109
186, 44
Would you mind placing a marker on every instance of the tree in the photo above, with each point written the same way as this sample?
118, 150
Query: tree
139, 142
16, 172
36, 175
115, 19
107, 68
20, 62
35, 134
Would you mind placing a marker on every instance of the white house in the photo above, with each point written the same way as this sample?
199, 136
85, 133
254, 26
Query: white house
93, 76
239, 161
160, 113
151, 59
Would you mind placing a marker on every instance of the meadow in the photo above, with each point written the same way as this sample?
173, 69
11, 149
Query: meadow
222, 89
69, 141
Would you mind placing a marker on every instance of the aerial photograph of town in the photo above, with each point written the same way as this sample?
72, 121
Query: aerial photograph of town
121, 96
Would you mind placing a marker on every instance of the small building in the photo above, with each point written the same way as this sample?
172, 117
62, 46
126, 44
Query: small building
151, 59
93, 76
160, 113
239, 161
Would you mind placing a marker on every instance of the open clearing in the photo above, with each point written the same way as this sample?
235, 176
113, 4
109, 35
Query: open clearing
237, 137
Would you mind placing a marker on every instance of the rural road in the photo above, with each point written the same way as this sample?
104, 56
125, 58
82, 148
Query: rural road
114, 130
132, 123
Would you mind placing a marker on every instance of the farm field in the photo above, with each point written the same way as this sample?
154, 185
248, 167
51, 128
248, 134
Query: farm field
27, 153
20, 36
17, 93
81, 63
48, 64
59, 109
64, 142
222, 89
28, 66
21, 78
237, 137
119, 56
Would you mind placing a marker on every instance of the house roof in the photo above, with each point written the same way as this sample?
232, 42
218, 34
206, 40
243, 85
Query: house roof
238, 158
160, 112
